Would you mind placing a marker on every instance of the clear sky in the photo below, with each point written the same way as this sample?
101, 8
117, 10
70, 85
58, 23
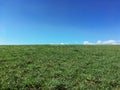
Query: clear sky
59, 21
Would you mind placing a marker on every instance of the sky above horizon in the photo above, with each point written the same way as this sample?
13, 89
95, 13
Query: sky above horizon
59, 21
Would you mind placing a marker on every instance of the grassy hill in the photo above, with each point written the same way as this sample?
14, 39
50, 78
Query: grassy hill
60, 67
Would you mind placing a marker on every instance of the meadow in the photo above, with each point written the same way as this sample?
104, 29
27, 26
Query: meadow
60, 67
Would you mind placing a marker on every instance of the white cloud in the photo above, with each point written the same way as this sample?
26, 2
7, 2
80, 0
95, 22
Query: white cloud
58, 43
99, 42
62, 43
87, 42
113, 42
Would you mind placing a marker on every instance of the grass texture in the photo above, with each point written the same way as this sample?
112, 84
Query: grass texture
60, 67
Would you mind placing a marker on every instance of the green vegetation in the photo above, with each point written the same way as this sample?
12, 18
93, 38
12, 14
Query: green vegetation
60, 67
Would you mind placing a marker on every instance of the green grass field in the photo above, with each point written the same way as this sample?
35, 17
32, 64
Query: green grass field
60, 67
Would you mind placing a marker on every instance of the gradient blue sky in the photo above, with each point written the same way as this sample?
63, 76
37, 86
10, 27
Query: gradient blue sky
58, 21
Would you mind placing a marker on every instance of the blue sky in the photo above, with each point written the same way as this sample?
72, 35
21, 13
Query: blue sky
59, 21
